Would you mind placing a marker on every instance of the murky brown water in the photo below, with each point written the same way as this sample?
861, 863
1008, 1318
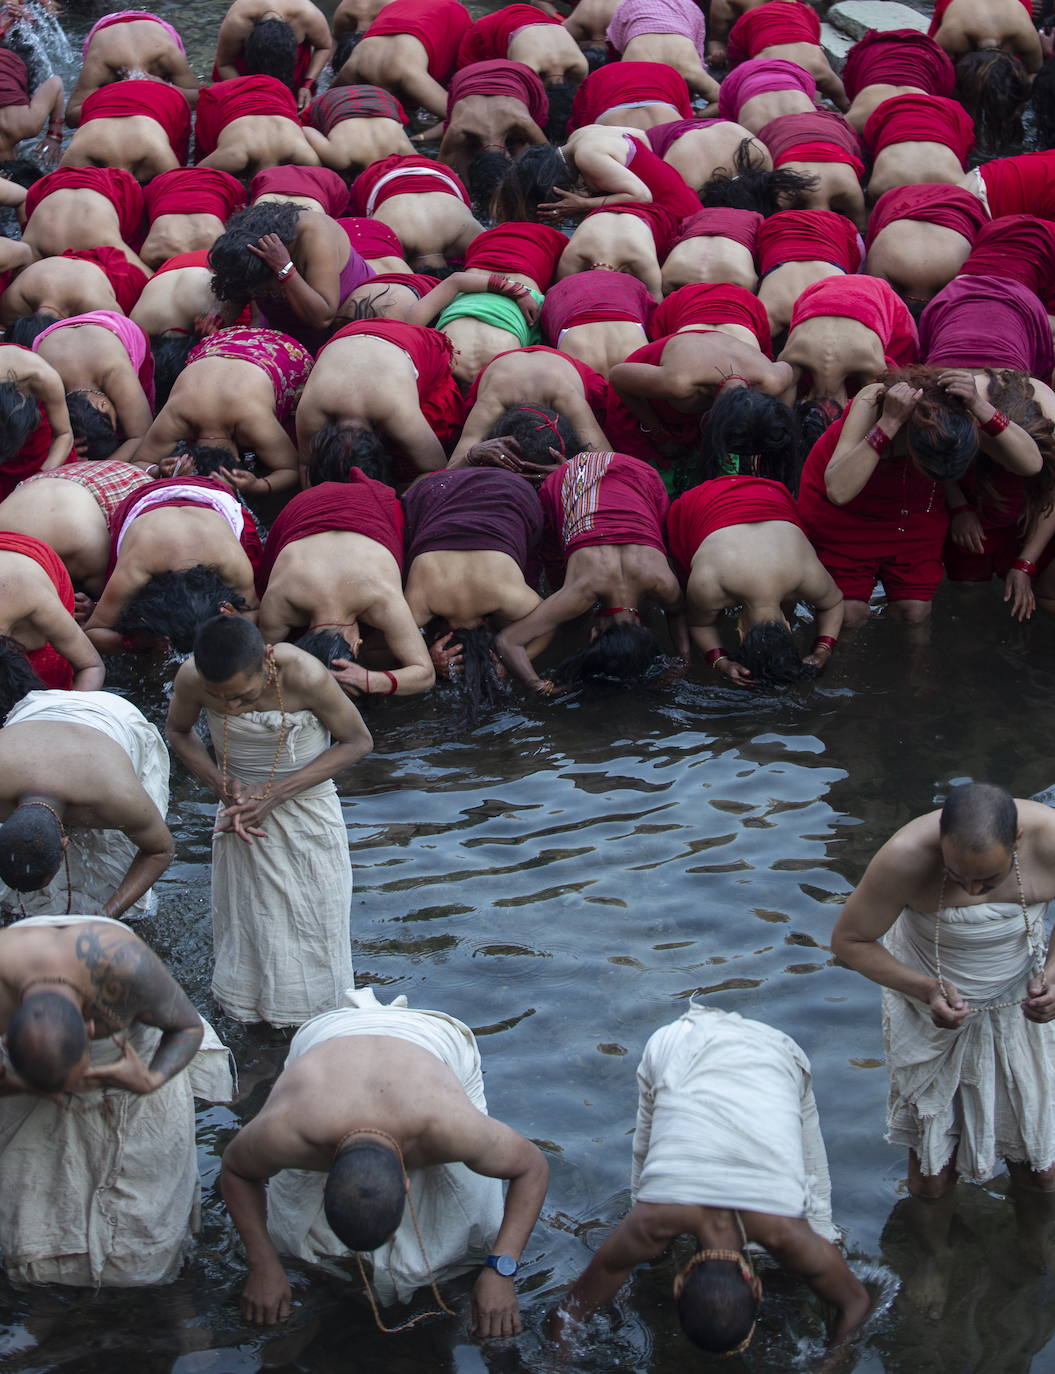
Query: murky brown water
563, 881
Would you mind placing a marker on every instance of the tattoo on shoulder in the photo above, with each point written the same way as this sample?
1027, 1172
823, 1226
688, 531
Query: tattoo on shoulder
126, 976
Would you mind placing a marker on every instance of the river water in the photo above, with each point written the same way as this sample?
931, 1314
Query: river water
563, 881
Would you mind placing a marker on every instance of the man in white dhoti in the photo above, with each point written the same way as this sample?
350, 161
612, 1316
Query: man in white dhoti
728, 1149
281, 895
949, 918
84, 787
98, 1168
377, 1105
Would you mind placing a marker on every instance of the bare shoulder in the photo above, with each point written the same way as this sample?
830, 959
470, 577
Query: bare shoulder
1038, 821
187, 682
910, 848
301, 672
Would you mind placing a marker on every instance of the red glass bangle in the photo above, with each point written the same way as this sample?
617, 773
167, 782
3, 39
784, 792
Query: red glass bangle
715, 656
394, 687
824, 642
495, 282
878, 440
996, 424
1024, 565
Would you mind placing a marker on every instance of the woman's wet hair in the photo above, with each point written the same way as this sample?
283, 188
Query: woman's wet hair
30, 848
755, 435
623, 653
170, 353
596, 57
537, 429
485, 176
326, 645
238, 274
19, 417
815, 417
21, 171
174, 605
27, 327
364, 1195
479, 678
748, 187
17, 676
336, 449
940, 434
343, 49
531, 180
560, 95
93, 432
1012, 392
769, 654
994, 89
1042, 100
271, 50
717, 1307
45, 1039
225, 645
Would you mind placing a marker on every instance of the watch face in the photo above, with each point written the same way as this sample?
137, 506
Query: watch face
506, 1265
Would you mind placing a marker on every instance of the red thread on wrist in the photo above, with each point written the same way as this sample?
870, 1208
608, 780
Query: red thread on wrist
394, 688
1024, 565
996, 424
878, 440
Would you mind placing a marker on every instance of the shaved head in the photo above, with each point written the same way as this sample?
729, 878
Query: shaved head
977, 815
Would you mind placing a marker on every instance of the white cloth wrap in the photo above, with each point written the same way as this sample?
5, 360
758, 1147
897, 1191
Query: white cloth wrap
281, 907
459, 1212
222, 502
104, 1190
98, 859
726, 1118
986, 1090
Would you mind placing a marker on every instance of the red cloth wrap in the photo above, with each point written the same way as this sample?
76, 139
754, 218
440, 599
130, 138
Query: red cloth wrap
622, 83
430, 352
317, 182
624, 428
165, 105
597, 296
417, 282
239, 98
14, 79
999, 514
438, 25
301, 63
126, 279
920, 119
662, 137
605, 498
929, 202
595, 387
339, 103
1023, 185
987, 322
899, 57
114, 184
199, 258
194, 191
941, 6
739, 225
661, 223
861, 543
720, 503
532, 250
821, 137
49, 665
500, 77
1021, 247
489, 37
415, 185
667, 186
808, 236
370, 238
30, 457
770, 26
359, 505
712, 303
250, 537
871, 302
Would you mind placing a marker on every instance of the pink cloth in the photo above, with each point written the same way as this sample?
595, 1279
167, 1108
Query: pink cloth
720, 222
513, 80
775, 24
761, 76
135, 342
872, 303
130, 17
634, 18
987, 322
605, 498
286, 363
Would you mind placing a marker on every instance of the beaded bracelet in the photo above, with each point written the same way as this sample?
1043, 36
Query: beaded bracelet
996, 424
878, 440
1025, 566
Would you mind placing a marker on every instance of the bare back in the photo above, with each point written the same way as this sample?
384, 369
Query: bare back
67, 517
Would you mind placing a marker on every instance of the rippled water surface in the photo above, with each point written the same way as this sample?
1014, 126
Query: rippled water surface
563, 882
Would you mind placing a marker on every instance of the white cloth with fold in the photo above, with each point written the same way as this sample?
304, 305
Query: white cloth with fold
104, 1190
281, 907
98, 859
726, 1118
987, 1090
459, 1212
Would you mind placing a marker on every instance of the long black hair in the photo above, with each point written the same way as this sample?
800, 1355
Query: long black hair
19, 417
768, 652
271, 50
479, 675
94, 432
622, 653
16, 675
336, 449
238, 274
751, 433
26, 328
994, 89
170, 352
531, 180
747, 187
173, 605
537, 429
1042, 99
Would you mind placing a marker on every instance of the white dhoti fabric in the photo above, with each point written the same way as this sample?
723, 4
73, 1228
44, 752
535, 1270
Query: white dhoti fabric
726, 1118
459, 1212
98, 859
281, 907
987, 1090
104, 1190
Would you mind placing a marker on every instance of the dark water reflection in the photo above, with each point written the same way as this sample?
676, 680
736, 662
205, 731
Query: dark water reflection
563, 882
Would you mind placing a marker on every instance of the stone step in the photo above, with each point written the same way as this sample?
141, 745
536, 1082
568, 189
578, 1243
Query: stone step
856, 17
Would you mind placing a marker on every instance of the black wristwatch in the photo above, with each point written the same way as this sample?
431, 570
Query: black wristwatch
505, 1264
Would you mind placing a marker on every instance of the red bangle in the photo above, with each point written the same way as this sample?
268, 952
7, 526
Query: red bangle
824, 642
1024, 565
878, 440
394, 688
495, 282
715, 656
996, 424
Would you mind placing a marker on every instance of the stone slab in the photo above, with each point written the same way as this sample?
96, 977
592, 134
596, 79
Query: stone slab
835, 44
856, 17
